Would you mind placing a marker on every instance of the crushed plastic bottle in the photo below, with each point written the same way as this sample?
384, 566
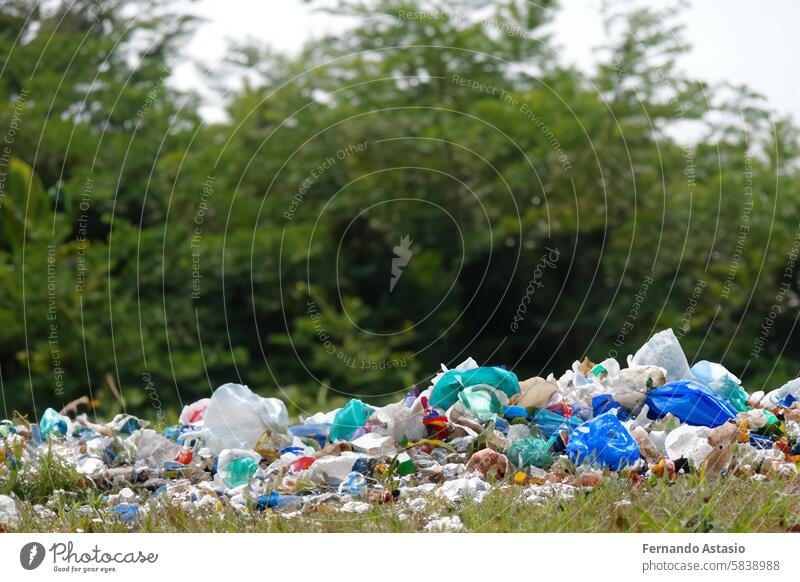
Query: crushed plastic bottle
277, 501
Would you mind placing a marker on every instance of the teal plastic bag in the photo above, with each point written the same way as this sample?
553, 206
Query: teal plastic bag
445, 392
348, 419
532, 452
53, 424
551, 423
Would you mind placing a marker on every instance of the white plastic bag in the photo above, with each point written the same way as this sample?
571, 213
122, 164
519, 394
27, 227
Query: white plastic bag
236, 417
192, 414
689, 442
664, 350
153, 449
791, 388
331, 470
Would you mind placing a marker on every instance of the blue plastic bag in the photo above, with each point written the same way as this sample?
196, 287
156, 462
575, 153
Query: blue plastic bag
514, 412
445, 392
603, 403
760, 441
126, 512
690, 402
551, 423
603, 441
318, 432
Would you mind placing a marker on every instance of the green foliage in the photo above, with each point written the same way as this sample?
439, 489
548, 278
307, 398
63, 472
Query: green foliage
38, 482
686, 506
147, 257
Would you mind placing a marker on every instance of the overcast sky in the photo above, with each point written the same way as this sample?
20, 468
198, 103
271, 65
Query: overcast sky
739, 41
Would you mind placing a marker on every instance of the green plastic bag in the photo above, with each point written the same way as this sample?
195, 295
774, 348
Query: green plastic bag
445, 392
348, 419
532, 452
482, 401
239, 472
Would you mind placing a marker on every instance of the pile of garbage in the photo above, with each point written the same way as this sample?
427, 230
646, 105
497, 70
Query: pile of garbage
472, 428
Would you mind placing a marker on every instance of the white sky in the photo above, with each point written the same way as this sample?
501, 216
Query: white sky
739, 41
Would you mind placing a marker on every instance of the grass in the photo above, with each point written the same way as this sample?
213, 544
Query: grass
735, 504
36, 482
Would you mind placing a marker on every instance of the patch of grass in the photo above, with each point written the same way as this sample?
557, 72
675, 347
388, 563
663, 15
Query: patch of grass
689, 505
37, 481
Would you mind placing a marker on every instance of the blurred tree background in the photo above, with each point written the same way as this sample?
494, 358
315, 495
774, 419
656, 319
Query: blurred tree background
429, 185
